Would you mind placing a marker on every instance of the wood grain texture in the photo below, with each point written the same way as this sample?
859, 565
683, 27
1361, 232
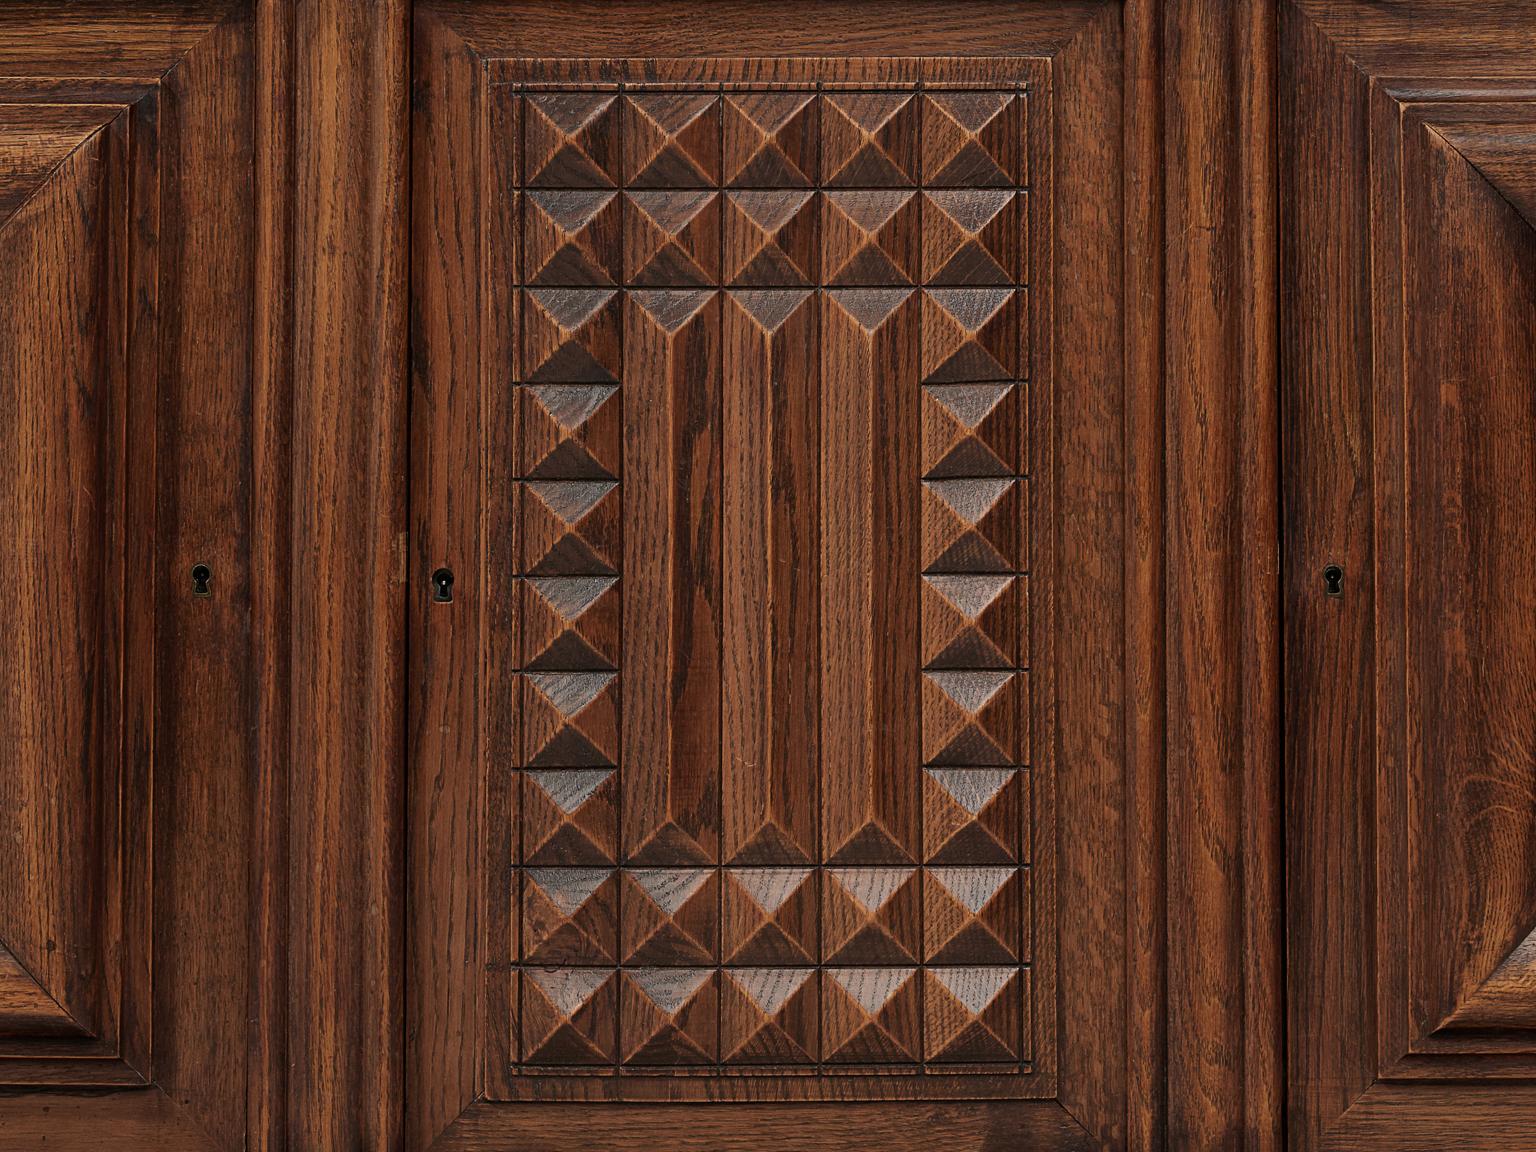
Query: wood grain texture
1407, 955
1146, 582
347, 577
149, 322
983, 326
1222, 523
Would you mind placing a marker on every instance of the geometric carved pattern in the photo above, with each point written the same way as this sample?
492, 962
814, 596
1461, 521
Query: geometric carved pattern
674, 243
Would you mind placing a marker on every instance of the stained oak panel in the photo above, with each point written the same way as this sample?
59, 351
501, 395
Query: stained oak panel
126, 261
730, 375
1414, 781
753, 461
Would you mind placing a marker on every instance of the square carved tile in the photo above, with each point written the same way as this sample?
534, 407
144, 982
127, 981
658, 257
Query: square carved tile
971, 621
870, 1015
669, 1016
972, 236
570, 719
569, 1015
974, 1015
972, 139
870, 237
571, 527
570, 140
869, 139
972, 430
975, 815
571, 623
973, 526
570, 431
670, 915
769, 916
672, 140
971, 718
571, 238
771, 238
769, 1015
569, 816
571, 336
570, 916
971, 334
771, 139
672, 238
973, 914
871, 915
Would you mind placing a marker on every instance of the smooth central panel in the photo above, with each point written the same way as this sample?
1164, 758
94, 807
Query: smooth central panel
773, 495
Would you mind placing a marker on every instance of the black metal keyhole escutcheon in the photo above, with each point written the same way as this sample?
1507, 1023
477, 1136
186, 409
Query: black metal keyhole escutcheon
202, 577
1333, 580
442, 586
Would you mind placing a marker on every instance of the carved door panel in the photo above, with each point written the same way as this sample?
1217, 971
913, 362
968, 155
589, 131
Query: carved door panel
1410, 287
761, 396
125, 795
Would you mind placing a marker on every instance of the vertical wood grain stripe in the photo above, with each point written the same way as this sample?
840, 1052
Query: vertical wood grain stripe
869, 561
347, 585
769, 500
671, 658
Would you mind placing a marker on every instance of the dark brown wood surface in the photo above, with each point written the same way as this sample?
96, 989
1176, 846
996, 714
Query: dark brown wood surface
126, 339
872, 444
1407, 308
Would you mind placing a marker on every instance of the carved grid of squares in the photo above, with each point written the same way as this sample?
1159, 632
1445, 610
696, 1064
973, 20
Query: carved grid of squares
775, 195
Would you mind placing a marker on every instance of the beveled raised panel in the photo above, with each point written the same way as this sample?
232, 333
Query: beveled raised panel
62, 201
1411, 958
126, 261
770, 362
734, 768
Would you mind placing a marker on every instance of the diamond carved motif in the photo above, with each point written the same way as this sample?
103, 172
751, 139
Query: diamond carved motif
663, 231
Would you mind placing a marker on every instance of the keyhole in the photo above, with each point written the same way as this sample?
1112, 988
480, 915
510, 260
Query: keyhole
201, 575
1333, 580
442, 586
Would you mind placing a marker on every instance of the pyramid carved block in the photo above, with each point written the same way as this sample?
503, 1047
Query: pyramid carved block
869, 139
972, 139
570, 816
769, 916
672, 238
570, 431
970, 621
974, 815
571, 140
671, 915
970, 334
570, 623
870, 237
970, 718
672, 140
771, 140
871, 915
570, 527
571, 336
570, 719
771, 238
569, 1016
769, 1015
870, 1015
571, 238
570, 916
973, 1014
972, 526
669, 1016
972, 236
971, 430
973, 914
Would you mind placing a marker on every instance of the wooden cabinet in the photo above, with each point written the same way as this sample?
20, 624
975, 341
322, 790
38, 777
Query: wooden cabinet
803, 575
